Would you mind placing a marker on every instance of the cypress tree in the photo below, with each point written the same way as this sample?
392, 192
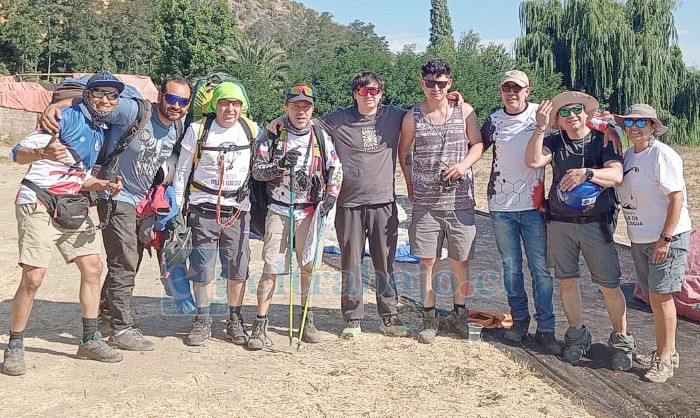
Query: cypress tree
441, 33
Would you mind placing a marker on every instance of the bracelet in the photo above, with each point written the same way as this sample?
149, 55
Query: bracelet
540, 130
41, 153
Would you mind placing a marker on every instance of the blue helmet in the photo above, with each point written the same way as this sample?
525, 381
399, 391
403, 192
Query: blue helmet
582, 198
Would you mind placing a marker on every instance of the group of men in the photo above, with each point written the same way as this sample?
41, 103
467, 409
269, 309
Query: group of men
303, 162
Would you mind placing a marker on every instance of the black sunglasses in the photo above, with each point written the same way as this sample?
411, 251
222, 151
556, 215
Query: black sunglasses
432, 83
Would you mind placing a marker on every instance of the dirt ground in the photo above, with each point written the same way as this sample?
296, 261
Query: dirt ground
370, 376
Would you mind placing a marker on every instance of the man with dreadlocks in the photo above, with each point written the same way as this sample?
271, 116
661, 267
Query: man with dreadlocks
215, 161
59, 167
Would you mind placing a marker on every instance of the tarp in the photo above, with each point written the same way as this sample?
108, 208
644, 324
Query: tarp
34, 97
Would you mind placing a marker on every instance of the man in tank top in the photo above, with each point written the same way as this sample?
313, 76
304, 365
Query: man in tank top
439, 144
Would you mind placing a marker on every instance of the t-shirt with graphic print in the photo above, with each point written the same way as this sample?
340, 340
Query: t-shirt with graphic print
513, 187
149, 149
649, 177
589, 153
367, 145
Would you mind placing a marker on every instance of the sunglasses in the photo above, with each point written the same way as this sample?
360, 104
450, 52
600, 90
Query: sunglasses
372, 91
298, 89
171, 99
566, 111
628, 122
98, 94
432, 83
507, 88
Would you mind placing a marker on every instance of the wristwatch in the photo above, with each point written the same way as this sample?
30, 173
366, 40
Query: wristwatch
589, 174
666, 237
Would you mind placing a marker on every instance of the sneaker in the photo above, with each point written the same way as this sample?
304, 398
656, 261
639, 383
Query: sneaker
235, 331
659, 371
624, 347
13, 363
311, 334
97, 349
392, 326
430, 326
458, 322
201, 331
549, 342
576, 344
518, 332
258, 338
649, 359
352, 329
131, 339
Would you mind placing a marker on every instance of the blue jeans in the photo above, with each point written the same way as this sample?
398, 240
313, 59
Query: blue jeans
510, 228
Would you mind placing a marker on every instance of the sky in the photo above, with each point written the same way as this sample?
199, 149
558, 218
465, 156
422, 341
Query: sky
403, 22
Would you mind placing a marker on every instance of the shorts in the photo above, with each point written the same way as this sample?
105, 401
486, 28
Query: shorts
429, 228
209, 239
39, 234
566, 240
667, 276
276, 243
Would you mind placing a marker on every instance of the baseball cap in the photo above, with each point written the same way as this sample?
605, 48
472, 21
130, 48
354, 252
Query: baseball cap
517, 77
104, 79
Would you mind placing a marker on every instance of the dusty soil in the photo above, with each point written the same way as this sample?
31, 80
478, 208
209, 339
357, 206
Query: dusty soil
370, 376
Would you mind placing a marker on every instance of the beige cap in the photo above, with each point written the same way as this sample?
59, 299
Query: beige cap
516, 76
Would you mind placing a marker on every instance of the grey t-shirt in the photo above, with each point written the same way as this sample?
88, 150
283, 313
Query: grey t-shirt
367, 147
140, 161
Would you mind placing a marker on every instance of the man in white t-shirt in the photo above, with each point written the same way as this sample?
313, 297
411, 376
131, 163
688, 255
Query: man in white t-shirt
213, 171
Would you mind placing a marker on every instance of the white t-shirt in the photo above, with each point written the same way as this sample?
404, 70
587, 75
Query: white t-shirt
513, 186
208, 170
649, 177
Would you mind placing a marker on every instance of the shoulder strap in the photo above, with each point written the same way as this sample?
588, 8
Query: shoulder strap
321, 139
145, 110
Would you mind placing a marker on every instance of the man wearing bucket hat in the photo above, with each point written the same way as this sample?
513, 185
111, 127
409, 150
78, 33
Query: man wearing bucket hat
60, 167
583, 223
654, 202
213, 173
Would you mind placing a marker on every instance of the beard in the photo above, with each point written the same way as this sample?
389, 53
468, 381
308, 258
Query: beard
170, 114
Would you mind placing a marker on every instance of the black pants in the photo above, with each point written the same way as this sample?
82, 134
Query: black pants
121, 243
379, 224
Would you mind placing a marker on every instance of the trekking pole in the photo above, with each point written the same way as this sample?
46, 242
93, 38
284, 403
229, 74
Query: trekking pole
291, 252
308, 291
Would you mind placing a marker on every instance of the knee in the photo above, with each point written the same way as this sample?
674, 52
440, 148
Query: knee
92, 271
568, 284
32, 277
427, 262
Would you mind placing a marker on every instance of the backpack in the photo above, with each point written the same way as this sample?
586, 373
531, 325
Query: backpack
202, 92
259, 198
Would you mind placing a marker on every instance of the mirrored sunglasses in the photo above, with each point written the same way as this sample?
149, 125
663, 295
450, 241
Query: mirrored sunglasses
298, 89
566, 111
171, 99
629, 122
372, 91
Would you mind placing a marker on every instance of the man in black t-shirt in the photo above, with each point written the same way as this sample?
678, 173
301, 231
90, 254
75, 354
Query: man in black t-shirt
582, 207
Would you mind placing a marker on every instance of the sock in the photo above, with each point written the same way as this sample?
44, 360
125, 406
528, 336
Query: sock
89, 328
17, 336
432, 308
203, 312
258, 316
234, 310
457, 307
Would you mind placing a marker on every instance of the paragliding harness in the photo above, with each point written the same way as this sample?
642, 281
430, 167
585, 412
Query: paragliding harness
315, 183
240, 194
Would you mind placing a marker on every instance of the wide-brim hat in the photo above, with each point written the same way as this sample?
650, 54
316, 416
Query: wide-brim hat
590, 105
643, 111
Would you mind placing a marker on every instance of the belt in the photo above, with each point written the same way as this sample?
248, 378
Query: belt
296, 205
208, 207
579, 219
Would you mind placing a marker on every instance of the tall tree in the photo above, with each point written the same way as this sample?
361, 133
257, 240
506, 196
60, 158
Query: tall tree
441, 33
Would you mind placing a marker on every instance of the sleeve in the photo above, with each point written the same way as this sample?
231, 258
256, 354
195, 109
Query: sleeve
669, 169
551, 142
263, 167
333, 162
487, 131
125, 112
35, 140
330, 122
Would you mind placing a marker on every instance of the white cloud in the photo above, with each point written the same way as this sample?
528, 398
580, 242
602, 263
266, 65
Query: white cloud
682, 32
398, 41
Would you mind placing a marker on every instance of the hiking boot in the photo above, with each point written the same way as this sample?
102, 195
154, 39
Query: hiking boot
201, 331
13, 363
311, 334
97, 349
131, 339
430, 326
458, 322
104, 325
659, 371
235, 331
624, 346
576, 344
258, 336
518, 332
549, 342
649, 359
392, 326
352, 329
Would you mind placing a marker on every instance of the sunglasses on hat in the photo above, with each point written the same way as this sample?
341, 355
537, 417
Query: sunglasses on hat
298, 89
98, 94
372, 91
629, 122
566, 111
171, 99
